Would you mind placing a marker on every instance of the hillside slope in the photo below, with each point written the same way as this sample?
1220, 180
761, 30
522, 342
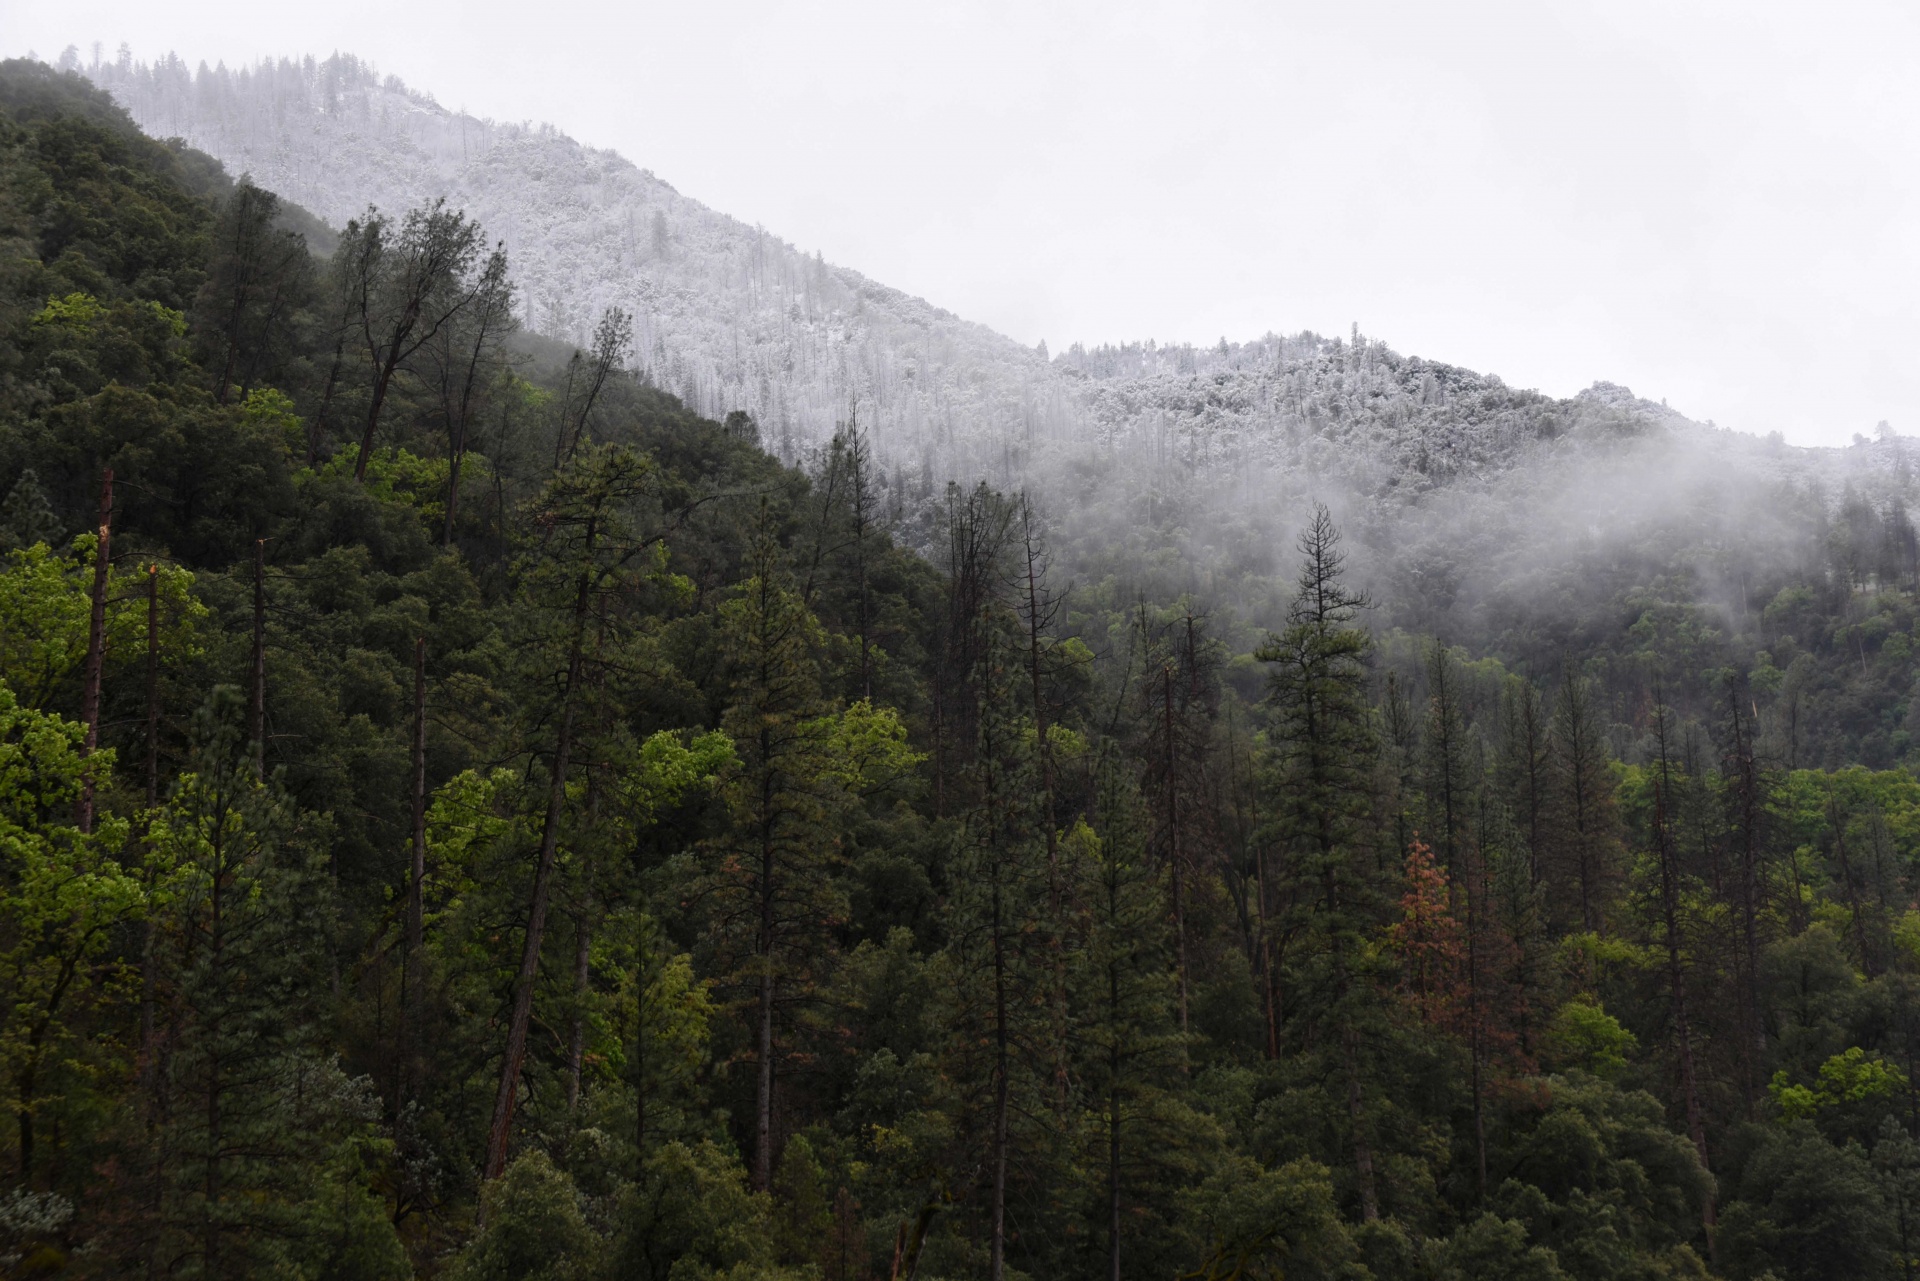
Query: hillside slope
730, 317
1511, 522
726, 315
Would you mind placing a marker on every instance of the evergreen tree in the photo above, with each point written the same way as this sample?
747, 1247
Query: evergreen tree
260, 1137
776, 894
1325, 740
259, 282
1131, 1052
1585, 862
587, 554
996, 918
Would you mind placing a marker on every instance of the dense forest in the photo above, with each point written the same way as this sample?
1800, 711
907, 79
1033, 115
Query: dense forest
464, 814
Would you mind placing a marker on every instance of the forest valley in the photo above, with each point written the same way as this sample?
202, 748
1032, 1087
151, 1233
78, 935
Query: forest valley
462, 814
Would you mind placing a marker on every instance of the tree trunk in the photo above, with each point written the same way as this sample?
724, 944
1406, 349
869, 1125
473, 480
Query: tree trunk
763, 1021
577, 1032
1747, 786
381, 382
501, 1130
257, 702
1056, 893
1837, 819
210, 1183
96, 647
1476, 1043
1677, 991
1357, 1118
326, 402
1175, 886
640, 1048
1113, 1119
153, 804
456, 461
411, 977
997, 1249
153, 686
763, 1082
865, 604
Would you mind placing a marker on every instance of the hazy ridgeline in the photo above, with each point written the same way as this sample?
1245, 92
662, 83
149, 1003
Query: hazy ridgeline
574, 806
1470, 502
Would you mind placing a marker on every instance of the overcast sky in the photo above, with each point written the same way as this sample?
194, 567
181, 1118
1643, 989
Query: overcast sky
1714, 204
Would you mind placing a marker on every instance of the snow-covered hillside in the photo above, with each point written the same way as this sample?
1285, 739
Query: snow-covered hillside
1454, 482
731, 317
726, 315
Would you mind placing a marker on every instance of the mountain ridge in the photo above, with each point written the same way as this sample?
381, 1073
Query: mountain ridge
1187, 466
727, 316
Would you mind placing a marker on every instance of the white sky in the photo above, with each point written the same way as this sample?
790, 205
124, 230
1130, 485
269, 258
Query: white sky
1714, 204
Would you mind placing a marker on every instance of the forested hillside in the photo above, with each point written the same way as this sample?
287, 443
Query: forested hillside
726, 316
463, 813
1504, 520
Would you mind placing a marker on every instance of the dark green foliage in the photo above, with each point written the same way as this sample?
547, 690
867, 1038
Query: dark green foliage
790, 906
1809, 1210
535, 1229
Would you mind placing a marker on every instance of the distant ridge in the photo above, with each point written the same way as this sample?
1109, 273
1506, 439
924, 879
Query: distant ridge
1175, 468
728, 316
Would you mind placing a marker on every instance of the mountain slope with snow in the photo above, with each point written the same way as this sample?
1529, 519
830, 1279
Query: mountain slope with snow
1454, 482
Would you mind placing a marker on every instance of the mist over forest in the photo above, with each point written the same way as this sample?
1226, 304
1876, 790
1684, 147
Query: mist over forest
548, 732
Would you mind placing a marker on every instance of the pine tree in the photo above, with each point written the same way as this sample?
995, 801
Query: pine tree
587, 552
1450, 781
464, 361
979, 530
775, 892
1524, 765
259, 281
1586, 861
1324, 738
1675, 946
1131, 1052
260, 1135
26, 517
997, 917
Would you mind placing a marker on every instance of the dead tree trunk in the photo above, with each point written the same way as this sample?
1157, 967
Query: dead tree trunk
501, 1130
257, 700
411, 977
96, 647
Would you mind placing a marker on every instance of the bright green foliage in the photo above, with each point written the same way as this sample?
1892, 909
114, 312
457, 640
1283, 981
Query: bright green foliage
393, 475
272, 413
669, 768
1585, 1036
62, 896
45, 606
1848, 1077
76, 313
